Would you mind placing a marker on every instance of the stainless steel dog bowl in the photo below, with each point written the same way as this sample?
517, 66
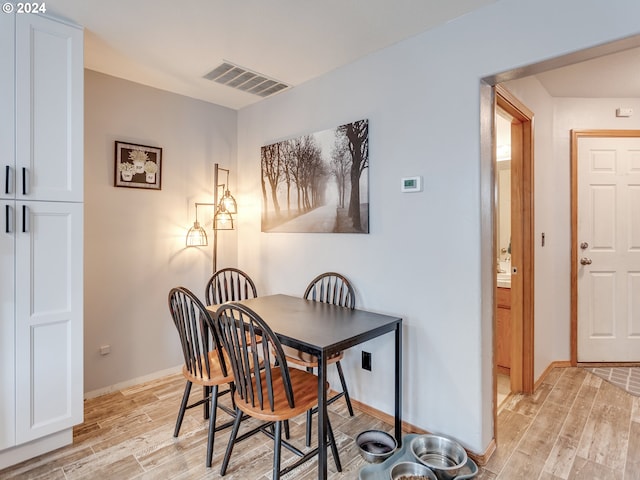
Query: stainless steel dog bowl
411, 470
444, 456
376, 446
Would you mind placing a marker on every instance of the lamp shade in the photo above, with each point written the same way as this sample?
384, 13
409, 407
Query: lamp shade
196, 236
228, 203
223, 220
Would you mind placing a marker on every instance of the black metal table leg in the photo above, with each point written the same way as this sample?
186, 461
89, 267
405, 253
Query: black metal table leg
322, 417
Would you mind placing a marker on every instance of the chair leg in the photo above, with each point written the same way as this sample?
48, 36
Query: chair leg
309, 419
277, 443
334, 447
344, 388
212, 424
232, 440
206, 391
308, 436
232, 388
286, 429
183, 408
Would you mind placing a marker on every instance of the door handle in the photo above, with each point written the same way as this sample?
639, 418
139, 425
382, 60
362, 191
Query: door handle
24, 219
7, 213
584, 245
6, 179
585, 261
24, 180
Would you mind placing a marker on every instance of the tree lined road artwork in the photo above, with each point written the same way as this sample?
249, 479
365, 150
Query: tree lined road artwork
317, 182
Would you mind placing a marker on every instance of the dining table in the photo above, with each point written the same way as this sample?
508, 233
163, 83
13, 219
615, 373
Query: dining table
322, 329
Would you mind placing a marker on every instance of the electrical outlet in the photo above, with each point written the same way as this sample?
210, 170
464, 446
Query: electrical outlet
366, 361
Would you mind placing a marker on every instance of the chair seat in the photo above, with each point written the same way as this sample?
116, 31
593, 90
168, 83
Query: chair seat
216, 377
305, 386
305, 359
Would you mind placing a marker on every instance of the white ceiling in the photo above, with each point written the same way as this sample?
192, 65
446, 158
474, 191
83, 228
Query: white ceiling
171, 44
611, 76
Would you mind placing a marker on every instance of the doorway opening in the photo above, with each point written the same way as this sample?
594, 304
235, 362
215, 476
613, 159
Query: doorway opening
513, 247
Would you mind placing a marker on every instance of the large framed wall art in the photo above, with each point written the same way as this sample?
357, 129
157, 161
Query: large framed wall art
317, 182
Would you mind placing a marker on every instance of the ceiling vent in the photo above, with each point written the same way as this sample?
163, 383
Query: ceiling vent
242, 79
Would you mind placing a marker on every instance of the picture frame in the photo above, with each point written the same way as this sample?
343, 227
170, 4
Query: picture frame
318, 182
138, 166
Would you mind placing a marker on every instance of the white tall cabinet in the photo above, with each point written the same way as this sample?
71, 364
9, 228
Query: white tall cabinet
41, 234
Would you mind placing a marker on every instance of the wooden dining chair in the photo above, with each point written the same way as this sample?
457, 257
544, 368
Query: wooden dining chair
333, 288
205, 362
229, 285
273, 394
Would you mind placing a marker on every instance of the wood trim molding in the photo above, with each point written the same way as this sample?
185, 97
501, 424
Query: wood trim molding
551, 366
522, 293
384, 417
576, 135
513, 101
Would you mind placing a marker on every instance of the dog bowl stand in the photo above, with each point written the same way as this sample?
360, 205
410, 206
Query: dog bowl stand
381, 471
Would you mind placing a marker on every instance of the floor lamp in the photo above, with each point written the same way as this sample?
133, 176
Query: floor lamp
225, 207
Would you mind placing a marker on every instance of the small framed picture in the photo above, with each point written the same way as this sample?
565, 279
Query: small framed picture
138, 166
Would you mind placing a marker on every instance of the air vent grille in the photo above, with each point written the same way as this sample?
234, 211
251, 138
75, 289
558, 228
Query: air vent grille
243, 79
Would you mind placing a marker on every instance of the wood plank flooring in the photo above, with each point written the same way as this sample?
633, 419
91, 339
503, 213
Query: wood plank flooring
576, 426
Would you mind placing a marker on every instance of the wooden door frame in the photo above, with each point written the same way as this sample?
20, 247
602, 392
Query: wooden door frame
576, 135
522, 240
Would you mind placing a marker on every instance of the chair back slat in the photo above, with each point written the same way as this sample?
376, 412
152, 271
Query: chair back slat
331, 287
197, 338
253, 349
229, 285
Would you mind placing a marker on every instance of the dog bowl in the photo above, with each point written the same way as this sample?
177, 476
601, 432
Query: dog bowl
411, 471
444, 456
376, 446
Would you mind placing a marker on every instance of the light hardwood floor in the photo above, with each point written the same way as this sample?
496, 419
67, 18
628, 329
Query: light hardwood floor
576, 426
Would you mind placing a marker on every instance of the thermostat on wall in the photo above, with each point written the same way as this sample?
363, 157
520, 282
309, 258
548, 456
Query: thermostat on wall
411, 184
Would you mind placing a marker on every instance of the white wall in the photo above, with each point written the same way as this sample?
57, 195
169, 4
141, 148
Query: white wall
134, 238
425, 257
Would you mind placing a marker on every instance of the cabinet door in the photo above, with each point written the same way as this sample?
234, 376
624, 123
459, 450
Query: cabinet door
49, 305
7, 332
49, 109
7, 96
7, 238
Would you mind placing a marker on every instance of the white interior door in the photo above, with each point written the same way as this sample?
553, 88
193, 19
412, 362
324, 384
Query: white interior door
609, 249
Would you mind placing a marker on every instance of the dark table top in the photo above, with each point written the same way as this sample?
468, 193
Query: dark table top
317, 327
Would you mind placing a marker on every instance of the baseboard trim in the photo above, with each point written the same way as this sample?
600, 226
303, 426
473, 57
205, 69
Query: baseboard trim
132, 382
14, 455
551, 366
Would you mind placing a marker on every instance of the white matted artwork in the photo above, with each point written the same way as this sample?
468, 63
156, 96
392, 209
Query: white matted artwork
317, 183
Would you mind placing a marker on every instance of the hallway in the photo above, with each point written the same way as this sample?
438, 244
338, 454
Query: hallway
576, 426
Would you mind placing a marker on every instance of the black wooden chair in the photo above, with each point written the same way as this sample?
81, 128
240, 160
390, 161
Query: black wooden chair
229, 285
334, 288
273, 394
205, 362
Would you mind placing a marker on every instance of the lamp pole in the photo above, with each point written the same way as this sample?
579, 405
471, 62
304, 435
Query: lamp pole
215, 210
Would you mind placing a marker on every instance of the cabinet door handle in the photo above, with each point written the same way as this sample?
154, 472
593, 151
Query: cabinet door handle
24, 180
6, 179
24, 219
7, 212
